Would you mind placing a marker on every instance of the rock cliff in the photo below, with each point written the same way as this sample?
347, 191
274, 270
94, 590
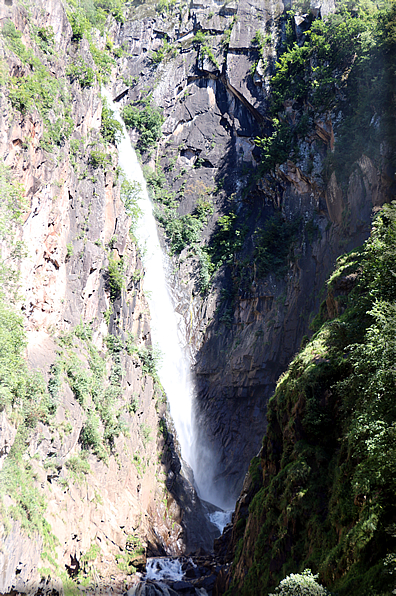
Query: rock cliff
258, 190
209, 67
96, 469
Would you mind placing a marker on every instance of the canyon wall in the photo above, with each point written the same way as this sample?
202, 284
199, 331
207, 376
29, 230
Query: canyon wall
103, 469
209, 68
251, 242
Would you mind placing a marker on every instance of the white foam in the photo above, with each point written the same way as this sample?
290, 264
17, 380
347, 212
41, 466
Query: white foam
220, 519
164, 568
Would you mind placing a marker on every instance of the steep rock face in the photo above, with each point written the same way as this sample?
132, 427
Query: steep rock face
108, 504
243, 327
310, 492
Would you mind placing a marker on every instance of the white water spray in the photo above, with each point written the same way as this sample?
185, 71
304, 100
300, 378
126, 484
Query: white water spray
174, 368
159, 568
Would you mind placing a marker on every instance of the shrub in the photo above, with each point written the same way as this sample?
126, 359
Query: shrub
113, 7
300, 584
276, 147
181, 231
116, 277
110, 129
147, 121
167, 50
165, 6
130, 194
80, 71
273, 244
90, 436
227, 239
99, 159
104, 63
78, 466
149, 358
79, 24
146, 433
12, 37
199, 37
12, 345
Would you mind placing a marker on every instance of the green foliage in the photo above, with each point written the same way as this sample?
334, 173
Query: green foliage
165, 6
180, 230
300, 584
99, 392
227, 239
113, 7
329, 450
12, 206
45, 39
80, 71
90, 436
261, 41
91, 554
203, 41
116, 277
24, 396
110, 128
343, 63
146, 433
227, 33
103, 61
18, 482
43, 91
167, 50
199, 37
85, 14
148, 122
13, 39
130, 194
79, 24
313, 69
150, 358
78, 379
272, 245
99, 159
78, 466
276, 146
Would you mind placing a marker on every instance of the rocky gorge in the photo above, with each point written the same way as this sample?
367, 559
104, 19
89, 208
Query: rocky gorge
258, 188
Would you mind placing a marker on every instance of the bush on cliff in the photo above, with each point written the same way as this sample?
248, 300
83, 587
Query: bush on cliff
147, 121
343, 63
300, 584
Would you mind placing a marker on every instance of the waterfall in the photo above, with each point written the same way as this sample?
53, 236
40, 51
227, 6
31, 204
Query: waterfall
174, 367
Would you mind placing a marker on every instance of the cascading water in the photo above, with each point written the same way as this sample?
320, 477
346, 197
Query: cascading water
174, 367
174, 370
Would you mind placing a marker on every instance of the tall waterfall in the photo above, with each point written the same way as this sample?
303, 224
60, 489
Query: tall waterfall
174, 368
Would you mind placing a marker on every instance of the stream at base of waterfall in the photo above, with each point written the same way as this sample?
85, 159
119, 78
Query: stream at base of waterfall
166, 575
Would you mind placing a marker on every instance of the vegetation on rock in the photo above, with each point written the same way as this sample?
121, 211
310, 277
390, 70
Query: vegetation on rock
343, 62
147, 121
327, 490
